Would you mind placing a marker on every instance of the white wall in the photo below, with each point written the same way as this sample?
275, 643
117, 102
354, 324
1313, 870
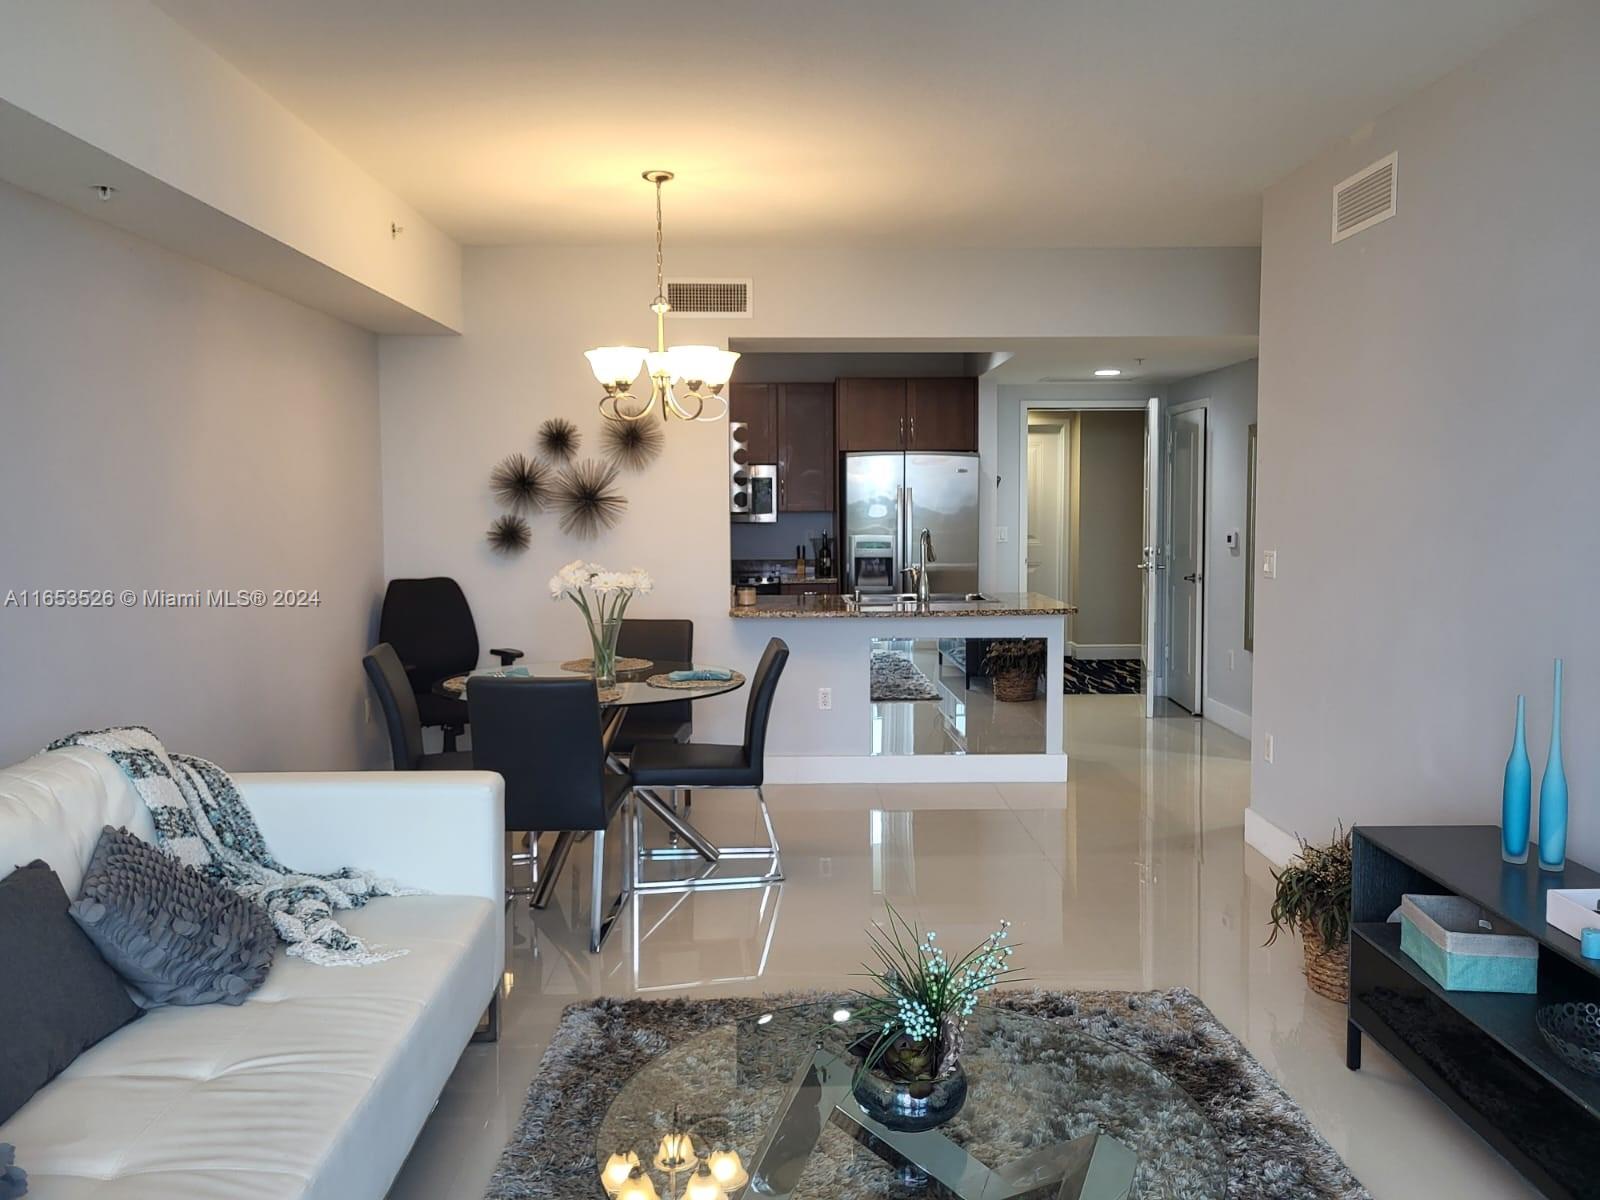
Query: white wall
209, 163
1427, 451
452, 407
163, 425
1229, 396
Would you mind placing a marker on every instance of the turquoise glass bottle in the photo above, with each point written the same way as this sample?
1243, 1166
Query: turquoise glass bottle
1516, 804
1553, 795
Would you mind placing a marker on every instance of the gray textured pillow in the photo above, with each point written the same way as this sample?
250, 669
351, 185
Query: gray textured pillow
171, 933
58, 997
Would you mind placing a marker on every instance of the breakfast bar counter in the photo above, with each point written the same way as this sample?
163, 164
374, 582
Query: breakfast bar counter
997, 604
835, 732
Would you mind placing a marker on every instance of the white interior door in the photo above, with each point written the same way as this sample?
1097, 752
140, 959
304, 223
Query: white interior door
1150, 563
1185, 576
1046, 490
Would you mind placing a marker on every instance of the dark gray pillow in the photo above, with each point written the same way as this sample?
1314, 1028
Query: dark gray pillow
58, 997
172, 934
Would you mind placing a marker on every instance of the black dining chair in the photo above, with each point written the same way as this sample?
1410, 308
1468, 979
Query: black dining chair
678, 766
668, 641
429, 623
543, 737
399, 706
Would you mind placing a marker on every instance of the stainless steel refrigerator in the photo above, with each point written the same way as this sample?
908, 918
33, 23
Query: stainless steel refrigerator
889, 499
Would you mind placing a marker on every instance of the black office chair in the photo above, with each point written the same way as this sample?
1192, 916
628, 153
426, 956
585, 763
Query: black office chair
543, 737
430, 626
659, 641
675, 766
399, 704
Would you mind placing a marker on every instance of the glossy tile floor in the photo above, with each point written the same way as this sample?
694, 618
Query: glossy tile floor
1132, 875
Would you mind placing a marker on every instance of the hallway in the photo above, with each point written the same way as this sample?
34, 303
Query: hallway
1133, 875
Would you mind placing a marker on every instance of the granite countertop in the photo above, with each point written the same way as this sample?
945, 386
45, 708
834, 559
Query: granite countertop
1000, 604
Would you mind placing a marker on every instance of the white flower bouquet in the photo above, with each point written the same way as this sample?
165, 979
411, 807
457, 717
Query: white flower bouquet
603, 596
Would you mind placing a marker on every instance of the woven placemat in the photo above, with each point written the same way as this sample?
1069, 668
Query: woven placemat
607, 695
586, 665
663, 681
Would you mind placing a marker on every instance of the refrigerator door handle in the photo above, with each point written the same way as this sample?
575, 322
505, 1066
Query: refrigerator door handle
898, 585
906, 510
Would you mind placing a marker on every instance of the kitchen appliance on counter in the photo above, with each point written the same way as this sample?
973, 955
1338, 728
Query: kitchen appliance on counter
752, 487
889, 499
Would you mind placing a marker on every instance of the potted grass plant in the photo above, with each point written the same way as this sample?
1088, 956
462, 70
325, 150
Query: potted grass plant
1312, 898
1016, 664
909, 1075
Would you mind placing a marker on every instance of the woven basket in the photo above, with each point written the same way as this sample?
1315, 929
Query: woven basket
1015, 686
1327, 971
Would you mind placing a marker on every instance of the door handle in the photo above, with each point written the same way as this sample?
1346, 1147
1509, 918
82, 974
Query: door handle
1191, 578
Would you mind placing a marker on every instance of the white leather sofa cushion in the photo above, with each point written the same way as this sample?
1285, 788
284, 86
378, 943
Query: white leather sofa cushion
318, 1084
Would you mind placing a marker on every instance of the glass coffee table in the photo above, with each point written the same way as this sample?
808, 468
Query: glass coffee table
1050, 1112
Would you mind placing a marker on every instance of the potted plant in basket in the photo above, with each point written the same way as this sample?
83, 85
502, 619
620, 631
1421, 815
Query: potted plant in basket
1016, 665
1313, 899
909, 1075
602, 596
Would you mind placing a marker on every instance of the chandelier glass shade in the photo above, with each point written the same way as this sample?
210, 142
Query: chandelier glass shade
701, 371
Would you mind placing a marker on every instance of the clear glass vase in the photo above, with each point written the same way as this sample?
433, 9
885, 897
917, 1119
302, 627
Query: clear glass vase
603, 638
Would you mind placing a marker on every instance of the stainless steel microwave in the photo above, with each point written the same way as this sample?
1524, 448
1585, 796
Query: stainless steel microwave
753, 493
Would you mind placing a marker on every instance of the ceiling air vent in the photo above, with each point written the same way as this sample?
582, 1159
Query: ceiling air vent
709, 297
1366, 198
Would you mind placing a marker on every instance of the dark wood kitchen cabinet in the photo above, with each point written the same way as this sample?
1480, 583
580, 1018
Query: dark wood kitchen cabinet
756, 405
942, 414
872, 414
807, 454
908, 414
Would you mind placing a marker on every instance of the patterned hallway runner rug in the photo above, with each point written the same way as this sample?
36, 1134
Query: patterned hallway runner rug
1103, 677
1271, 1150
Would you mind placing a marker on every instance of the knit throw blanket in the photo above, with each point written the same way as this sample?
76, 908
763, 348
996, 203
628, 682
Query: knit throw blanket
201, 820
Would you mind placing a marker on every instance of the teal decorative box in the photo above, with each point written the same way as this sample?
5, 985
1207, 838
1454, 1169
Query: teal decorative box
1454, 941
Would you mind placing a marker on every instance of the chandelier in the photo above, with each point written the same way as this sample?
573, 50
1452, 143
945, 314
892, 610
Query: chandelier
702, 371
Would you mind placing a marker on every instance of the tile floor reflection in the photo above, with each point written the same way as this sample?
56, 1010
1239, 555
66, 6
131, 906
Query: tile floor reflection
1134, 874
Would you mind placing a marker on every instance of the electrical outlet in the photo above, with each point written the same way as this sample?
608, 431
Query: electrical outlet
1002, 533
825, 698
1266, 749
1269, 563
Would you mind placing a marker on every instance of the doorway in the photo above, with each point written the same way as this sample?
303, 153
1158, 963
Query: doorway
1186, 554
1083, 533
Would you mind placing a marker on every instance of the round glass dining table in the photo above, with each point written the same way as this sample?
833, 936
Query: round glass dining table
632, 690
633, 685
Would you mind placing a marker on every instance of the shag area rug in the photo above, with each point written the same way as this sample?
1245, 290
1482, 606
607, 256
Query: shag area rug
1269, 1150
896, 677
1102, 677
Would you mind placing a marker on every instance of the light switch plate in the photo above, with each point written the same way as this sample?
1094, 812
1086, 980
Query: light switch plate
1269, 563
1002, 533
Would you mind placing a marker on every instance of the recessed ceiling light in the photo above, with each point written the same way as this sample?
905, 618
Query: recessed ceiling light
1108, 372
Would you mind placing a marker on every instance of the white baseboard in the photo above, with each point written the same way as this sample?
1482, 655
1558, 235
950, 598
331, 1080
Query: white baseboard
1275, 845
917, 768
1230, 719
1102, 650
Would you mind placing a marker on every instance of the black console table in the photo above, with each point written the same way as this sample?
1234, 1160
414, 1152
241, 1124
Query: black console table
1479, 1052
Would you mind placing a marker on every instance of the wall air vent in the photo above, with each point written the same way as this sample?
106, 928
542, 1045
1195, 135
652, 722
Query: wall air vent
709, 297
1366, 198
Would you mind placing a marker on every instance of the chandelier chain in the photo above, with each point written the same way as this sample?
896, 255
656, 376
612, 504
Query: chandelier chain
661, 287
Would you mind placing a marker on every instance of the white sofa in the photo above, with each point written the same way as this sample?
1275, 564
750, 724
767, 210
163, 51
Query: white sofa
319, 1083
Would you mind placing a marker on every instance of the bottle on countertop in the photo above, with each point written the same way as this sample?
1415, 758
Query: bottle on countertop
825, 558
800, 562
